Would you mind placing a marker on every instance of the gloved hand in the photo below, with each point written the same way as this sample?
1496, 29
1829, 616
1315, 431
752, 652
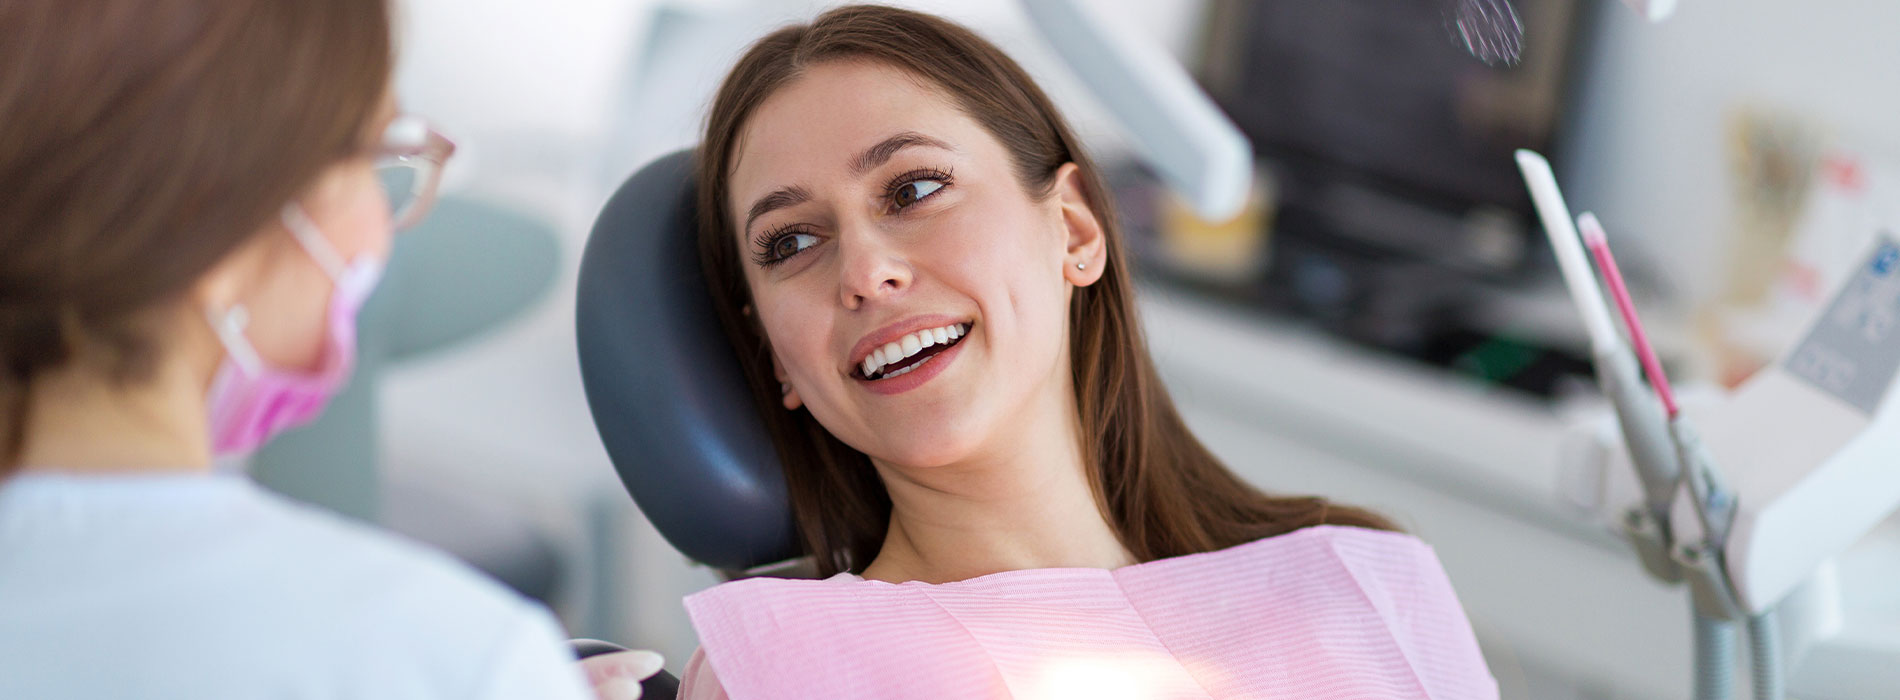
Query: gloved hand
617, 676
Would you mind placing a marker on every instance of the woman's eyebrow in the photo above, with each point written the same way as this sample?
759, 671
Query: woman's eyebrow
871, 158
786, 197
881, 153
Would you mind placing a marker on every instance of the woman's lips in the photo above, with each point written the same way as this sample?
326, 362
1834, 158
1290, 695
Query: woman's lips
909, 349
915, 375
894, 333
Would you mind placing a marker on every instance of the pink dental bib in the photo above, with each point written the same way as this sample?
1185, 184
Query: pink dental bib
1320, 613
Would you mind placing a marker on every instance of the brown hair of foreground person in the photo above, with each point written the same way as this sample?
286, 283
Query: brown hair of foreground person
141, 142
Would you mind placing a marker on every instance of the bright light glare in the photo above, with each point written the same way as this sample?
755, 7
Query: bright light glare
1093, 679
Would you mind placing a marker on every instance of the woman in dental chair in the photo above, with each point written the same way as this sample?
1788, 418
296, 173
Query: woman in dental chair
923, 275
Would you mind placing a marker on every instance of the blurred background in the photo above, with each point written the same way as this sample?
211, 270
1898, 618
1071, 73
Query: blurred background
1383, 324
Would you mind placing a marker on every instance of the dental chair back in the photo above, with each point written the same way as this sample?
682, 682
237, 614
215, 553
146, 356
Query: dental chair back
664, 385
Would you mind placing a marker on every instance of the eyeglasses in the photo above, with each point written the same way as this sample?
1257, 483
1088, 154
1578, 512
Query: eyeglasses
409, 166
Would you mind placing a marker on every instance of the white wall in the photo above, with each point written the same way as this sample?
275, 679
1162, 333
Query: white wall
1649, 150
540, 85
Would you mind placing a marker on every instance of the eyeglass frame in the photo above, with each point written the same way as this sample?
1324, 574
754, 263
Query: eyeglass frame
410, 136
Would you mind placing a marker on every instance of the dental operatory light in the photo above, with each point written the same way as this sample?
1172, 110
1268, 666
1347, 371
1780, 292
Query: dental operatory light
1489, 29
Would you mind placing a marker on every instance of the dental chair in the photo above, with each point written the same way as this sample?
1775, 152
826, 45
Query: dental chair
665, 387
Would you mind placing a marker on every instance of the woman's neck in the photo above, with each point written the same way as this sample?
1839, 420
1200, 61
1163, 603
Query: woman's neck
1030, 506
78, 422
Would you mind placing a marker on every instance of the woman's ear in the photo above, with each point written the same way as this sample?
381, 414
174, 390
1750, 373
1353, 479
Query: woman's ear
788, 394
218, 288
238, 274
1085, 254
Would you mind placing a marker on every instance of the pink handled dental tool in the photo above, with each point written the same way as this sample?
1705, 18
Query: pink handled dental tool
1599, 245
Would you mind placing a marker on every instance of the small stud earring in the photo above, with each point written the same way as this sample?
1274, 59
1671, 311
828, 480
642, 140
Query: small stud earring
1081, 266
784, 388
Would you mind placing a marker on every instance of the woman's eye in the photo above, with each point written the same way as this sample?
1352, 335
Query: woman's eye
914, 191
792, 244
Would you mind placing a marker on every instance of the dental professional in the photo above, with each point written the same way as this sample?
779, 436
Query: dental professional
191, 214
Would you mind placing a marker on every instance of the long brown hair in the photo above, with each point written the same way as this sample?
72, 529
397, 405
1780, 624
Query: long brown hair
1163, 492
142, 141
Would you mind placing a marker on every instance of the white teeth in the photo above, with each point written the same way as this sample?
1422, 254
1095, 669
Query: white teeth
908, 346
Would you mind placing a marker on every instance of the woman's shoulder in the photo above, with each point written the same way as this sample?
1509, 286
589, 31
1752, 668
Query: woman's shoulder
1385, 565
1369, 555
1367, 544
1323, 557
1355, 537
1330, 542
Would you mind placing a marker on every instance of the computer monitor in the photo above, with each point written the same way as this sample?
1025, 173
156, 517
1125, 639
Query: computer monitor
1382, 125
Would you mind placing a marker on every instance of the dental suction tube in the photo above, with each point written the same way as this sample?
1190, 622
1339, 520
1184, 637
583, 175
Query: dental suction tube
1568, 245
1645, 430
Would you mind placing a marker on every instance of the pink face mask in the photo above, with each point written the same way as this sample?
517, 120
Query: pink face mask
251, 402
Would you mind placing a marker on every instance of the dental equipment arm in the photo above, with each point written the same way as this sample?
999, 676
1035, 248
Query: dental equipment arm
1650, 439
1830, 465
1806, 447
1828, 477
1699, 551
1177, 130
1644, 429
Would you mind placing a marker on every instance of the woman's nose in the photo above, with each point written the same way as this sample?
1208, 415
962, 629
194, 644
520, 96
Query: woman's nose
872, 269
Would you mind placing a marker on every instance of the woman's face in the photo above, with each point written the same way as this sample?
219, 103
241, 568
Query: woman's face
289, 296
914, 294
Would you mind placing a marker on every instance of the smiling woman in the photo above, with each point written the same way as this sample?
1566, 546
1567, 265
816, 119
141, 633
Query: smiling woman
922, 271
893, 172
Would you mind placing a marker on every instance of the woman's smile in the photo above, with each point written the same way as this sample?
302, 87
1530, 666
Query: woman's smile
897, 359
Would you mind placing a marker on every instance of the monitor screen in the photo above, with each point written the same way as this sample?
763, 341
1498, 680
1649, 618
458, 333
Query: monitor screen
1385, 91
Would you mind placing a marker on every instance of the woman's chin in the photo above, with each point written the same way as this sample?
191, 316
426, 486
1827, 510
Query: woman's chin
923, 449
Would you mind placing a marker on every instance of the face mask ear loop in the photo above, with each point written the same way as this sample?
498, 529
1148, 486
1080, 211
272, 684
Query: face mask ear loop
313, 242
229, 326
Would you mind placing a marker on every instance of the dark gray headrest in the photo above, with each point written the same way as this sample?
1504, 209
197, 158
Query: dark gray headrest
665, 386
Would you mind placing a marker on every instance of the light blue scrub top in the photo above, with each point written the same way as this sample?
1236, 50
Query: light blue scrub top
208, 587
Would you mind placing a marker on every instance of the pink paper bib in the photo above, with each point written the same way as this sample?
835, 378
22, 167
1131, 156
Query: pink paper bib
1322, 613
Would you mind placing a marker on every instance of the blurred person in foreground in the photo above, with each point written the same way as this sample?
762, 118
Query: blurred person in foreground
193, 208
